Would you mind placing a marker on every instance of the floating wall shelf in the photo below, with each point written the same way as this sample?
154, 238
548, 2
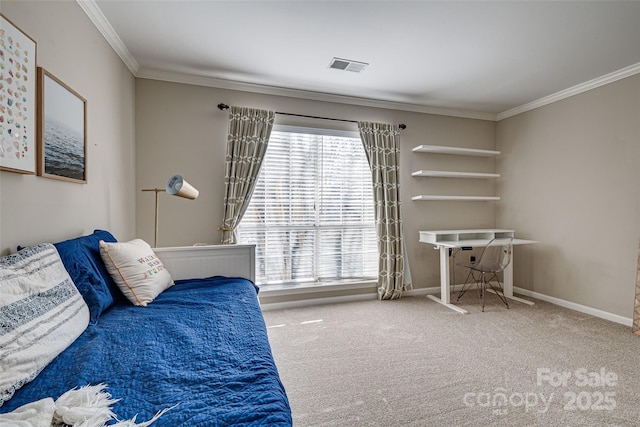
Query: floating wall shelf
450, 174
454, 150
456, 198
438, 149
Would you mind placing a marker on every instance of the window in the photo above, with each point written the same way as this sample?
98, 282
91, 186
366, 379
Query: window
311, 215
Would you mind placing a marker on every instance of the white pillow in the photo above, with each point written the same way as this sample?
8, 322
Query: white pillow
41, 314
136, 269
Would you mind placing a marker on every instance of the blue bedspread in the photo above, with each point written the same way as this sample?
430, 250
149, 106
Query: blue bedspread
201, 344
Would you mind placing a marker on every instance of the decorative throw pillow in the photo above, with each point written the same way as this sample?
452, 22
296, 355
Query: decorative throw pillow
81, 258
41, 314
136, 269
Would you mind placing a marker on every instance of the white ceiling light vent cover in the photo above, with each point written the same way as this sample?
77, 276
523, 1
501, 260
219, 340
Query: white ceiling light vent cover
347, 65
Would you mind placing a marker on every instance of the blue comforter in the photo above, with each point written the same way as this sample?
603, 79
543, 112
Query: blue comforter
202, 344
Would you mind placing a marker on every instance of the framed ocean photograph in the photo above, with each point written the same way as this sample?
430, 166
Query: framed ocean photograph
17, 99
62, 130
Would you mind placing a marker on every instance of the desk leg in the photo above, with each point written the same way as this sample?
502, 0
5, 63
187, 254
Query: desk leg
445, 276
508, 279
445, 293
508, 284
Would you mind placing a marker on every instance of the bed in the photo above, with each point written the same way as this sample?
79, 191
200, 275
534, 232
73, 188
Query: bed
199, 351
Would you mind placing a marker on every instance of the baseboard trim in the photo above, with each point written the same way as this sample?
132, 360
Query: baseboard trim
280, 290
576, 307
436, 289
317, 301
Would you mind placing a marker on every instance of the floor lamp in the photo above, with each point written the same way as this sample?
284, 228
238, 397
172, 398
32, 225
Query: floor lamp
176, 186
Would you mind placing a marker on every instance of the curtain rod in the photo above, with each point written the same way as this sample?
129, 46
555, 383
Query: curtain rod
222, 106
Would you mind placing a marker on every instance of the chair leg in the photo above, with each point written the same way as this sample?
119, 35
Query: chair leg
481, 282
464, 286
501, 292
483, 291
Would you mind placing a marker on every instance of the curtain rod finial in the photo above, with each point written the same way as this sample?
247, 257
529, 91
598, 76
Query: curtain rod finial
223, 107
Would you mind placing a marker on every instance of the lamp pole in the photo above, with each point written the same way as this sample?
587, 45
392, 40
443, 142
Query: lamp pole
176, 186
155, 233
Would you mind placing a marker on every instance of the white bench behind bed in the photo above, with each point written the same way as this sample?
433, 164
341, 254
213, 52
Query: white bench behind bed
192, 262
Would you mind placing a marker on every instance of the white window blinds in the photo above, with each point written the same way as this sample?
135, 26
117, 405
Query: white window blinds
311, 214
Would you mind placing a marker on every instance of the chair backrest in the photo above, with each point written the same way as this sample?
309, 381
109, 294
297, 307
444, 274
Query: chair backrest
495, 257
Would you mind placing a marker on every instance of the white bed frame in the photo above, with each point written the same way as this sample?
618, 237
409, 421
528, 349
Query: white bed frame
192, 262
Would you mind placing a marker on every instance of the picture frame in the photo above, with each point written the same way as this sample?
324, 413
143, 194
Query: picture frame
62, 130
17, 99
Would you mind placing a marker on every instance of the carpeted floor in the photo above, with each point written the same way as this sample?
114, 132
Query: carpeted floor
414, 362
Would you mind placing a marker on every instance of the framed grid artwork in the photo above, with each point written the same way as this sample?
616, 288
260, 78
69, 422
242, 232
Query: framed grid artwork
17, 99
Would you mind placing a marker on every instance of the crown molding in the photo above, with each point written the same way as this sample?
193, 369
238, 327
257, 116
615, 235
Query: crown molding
100, 21
308, 95
102, 24
572, 91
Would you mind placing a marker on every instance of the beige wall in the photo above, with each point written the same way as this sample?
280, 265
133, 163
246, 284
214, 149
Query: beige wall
570, 179
570, 170
37, 209
179, 130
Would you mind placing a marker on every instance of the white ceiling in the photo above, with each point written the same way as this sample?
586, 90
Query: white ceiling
482, 58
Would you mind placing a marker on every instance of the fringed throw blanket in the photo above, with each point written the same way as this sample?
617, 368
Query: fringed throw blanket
88, 406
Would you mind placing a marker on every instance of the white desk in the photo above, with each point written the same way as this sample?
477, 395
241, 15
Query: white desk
447, 240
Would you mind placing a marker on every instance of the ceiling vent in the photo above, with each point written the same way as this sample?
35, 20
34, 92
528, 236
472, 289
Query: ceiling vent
347, 65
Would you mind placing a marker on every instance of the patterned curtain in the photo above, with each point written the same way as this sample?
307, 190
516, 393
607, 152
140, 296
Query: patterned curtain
382, 145
249, 131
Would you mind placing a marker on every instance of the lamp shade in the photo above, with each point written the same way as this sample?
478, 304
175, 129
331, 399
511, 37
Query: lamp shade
177, 186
